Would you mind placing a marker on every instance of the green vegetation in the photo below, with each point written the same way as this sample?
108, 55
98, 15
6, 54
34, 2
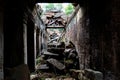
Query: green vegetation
49, 6
69, 9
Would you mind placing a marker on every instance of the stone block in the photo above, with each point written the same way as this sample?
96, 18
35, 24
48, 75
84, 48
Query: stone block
56, 63
93, 75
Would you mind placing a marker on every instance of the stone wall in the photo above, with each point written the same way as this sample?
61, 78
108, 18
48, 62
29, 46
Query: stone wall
97, 37
105, 38
114, 43
78, 32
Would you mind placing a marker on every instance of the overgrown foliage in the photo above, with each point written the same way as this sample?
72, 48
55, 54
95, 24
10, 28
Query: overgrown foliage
69, 9
49, 6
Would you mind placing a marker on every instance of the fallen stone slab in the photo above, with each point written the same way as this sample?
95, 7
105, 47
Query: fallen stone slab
42, 66
77, 71
49, 53
56, 63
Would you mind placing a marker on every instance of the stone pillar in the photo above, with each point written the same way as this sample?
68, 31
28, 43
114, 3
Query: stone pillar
25, 38
25, 42
30, 45
35, 45
1, 45
83, 37
38, 42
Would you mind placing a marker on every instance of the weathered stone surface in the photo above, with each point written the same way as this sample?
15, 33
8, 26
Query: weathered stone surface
56, 63
69, 79
42, 66
46, 75
93, 75
77, 71
78, 74
33, 77
49, 53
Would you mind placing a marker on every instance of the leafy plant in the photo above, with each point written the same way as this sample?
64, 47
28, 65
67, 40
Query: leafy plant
49, 6
69, 9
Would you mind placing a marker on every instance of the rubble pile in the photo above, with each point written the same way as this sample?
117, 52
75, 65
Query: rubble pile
59, 59
55, 18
